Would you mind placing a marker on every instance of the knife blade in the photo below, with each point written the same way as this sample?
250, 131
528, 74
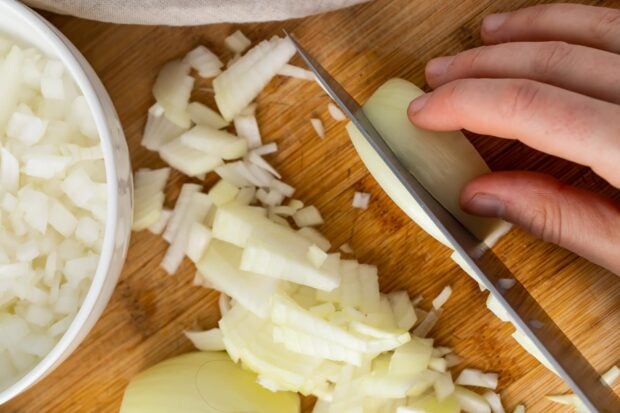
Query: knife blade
526, 312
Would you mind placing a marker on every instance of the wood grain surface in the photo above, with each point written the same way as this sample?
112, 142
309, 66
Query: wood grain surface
363, 46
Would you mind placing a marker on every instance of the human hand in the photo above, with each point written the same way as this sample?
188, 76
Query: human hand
549, 76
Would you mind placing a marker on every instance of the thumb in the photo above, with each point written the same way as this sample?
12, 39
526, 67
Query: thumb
583, 222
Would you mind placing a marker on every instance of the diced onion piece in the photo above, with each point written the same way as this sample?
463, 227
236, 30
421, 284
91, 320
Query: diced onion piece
361, 200
473, 377
314, 236
203, 115
412, 357
61, 219
188, 160
427, 324
9, 171
180, 208
335, 112
247, 128
471, 402
197, 242
210, 340
220, 266
26, 128
285, 257
494, 401
266, 149
402, 309
282, 187
270, 198
444, 174
196, 211
223, 192
308, 217
214, 142
442, 298
296, 72
611, 375
346, 248
519, 408
443, 386
158, 130
204, 61
296, 204
45, 166
203, 382
149, 196
237, 42
239, 85
261, 163
172, 90
316, 256
283, 210
318, 127
159, 226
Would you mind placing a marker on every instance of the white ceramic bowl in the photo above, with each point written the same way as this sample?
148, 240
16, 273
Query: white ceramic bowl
26, 26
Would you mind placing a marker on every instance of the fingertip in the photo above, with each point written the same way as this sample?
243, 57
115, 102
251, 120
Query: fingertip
437, 68
491, 27
418, 104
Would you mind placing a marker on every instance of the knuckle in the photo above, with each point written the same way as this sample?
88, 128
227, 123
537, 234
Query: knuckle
520, 99
551, 57
458, 93
470, 59
545, 222
607, 26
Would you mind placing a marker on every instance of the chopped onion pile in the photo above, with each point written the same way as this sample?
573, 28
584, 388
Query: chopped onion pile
293, 310
53, 205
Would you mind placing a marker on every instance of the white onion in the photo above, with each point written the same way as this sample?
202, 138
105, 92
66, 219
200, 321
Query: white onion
473, 377
318, 127
335, 112
203, 115
204, 61
237, 42
308, 217
443, 296
296, 72
360, 200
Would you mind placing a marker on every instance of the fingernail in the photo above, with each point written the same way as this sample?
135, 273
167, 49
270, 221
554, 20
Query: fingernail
493, 21
486, 205
438, 66
418, 103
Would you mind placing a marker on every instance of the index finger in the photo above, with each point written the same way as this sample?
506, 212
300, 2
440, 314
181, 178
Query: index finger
544, 117
596, 27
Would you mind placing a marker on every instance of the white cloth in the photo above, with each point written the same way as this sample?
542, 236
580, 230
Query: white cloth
189, 12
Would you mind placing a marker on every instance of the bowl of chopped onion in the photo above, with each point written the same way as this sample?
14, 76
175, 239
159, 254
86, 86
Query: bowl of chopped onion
65, 198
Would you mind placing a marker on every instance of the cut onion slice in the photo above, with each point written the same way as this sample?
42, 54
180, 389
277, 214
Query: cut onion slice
210, 340
204, 61
296, 72
188, 160
203, 115
360, 200
214, 142
239, 85
335, 112
172, 90
237, 42
318, 127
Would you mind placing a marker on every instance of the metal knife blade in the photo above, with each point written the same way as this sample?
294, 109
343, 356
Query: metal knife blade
527, 314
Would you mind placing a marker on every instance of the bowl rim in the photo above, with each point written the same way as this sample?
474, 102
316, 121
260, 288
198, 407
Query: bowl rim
60, 47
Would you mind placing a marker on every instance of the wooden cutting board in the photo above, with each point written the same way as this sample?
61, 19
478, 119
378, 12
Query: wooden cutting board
363, 46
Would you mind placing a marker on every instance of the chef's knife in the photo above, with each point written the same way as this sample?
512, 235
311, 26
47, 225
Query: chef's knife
524, 310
